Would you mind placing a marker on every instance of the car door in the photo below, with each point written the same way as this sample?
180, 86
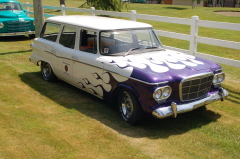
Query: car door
87, 67
47, 39
62, 51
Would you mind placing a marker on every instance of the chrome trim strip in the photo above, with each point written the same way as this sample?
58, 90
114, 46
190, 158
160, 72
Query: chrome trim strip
196, 76
164, 82
164, 112
48, 52
17, 33
218, 70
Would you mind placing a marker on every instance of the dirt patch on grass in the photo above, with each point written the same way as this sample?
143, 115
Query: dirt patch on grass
229, 13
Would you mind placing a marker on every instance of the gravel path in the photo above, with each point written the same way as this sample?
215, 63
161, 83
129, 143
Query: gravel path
229, 13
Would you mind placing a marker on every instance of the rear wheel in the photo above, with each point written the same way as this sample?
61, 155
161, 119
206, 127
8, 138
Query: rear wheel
129, 107
47, 72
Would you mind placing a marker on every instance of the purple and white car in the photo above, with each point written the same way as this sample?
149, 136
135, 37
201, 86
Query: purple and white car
124, 61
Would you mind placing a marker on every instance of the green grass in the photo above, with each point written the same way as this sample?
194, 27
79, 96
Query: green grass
55, 120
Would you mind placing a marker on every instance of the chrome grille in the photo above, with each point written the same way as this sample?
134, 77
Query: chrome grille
195, 87
18, 26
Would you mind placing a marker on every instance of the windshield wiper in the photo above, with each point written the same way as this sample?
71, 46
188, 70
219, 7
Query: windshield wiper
153, 47
130, 51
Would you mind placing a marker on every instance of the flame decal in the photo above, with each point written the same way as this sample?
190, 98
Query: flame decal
157, 62
104, 84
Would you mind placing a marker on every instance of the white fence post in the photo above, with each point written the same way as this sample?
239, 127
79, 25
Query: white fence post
92, 11
63, 10
133, 15
27, 8
193, 35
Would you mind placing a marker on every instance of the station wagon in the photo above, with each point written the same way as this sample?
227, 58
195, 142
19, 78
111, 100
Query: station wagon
124, 61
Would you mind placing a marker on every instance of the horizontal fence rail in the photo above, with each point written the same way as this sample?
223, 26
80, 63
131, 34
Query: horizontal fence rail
193, 38
173, 35
164, 19
219, 25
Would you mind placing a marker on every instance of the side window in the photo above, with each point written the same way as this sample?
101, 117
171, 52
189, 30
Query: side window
50, 31
146, 38
88, 41
67, 37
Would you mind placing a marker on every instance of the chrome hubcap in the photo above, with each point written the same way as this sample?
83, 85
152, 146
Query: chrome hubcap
127, 105
46, 71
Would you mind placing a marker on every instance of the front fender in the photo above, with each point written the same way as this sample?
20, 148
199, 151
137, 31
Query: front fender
121, 86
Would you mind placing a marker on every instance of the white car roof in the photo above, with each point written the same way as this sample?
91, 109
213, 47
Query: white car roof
98, 23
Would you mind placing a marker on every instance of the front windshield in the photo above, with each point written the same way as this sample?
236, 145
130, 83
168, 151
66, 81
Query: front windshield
120, 42
9, 6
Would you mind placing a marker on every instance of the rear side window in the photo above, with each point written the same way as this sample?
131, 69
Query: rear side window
67, 37
88, 42
50, 31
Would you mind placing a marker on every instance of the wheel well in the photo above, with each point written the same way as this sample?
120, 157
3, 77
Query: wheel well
118, 90
51, 77
38, 63
42, 62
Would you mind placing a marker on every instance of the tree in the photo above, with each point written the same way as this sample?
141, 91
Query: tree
114, 5
62, 2
38, 16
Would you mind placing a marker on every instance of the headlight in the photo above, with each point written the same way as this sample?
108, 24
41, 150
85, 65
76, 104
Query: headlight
162, 93
215, 79
166, 92
218, 79
158, 94
221, 78
1, 25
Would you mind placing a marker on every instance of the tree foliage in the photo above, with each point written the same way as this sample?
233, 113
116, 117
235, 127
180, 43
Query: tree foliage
111, 5
62, 2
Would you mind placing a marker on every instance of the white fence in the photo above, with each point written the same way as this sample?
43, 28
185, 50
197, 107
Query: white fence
193, 38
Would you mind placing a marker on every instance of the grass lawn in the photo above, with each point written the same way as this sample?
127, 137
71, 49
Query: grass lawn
56, 120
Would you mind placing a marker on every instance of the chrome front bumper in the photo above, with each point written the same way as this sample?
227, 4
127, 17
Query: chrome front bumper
175, 109
17, 33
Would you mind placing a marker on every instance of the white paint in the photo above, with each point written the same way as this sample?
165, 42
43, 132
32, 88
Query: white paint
91, 21
139, 65
106, 78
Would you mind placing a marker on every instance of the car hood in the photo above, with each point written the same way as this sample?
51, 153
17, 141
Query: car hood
12, 14
159, 66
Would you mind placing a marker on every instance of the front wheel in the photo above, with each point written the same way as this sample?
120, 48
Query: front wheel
129, 107
47, 72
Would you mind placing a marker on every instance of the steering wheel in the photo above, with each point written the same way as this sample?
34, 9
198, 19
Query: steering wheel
141, 42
